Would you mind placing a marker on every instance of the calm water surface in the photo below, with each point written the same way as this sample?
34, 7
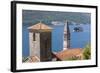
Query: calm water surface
78, 39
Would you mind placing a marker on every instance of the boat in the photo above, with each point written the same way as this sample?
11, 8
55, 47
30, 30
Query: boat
56, 22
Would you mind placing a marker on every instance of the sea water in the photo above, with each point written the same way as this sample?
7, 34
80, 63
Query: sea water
77, 39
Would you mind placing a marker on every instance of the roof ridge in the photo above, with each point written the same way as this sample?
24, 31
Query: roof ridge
39, 25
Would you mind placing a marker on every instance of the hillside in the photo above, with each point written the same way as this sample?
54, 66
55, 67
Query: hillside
31, 16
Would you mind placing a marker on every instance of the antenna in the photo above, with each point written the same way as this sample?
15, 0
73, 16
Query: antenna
40, 21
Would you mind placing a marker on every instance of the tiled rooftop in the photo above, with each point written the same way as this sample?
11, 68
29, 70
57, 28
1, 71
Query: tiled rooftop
38, 26
69, 53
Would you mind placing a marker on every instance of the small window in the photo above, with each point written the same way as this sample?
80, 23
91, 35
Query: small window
33, 36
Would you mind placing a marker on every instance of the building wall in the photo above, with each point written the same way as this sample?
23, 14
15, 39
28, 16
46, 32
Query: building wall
40, 45
68, 43
66, 37
37, 45
31, 52
45, 44
34, 44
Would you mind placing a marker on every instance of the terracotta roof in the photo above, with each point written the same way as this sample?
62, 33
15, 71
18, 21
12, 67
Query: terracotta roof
39, 26
69, 53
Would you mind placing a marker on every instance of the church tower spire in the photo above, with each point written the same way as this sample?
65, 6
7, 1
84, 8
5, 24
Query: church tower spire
66, 37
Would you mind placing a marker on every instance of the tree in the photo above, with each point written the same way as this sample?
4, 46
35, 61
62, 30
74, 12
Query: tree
87, 52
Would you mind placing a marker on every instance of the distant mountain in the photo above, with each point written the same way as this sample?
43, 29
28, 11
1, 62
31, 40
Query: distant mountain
33, 16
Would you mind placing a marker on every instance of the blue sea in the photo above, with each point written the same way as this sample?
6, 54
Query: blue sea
78, 39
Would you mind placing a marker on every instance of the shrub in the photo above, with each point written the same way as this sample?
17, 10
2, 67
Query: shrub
87, 52
24, 59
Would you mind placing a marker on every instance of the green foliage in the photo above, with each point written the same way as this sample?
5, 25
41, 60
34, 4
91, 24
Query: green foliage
87, 52
73, 58
24, 59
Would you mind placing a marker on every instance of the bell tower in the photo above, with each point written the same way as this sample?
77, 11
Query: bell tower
40, 41
66, 36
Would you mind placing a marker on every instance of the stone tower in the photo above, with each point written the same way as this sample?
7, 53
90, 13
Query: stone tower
66, 37
40, 41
